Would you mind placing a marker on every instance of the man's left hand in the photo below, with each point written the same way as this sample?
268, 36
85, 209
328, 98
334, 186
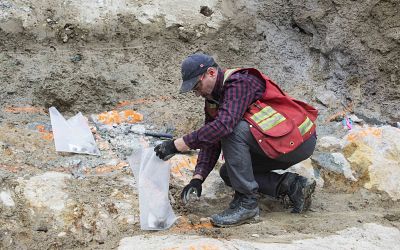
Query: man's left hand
166, 150
194, 186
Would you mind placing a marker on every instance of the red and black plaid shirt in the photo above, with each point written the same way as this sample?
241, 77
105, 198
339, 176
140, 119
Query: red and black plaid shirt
234, 97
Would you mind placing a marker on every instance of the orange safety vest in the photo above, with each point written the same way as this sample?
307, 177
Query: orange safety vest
278, 122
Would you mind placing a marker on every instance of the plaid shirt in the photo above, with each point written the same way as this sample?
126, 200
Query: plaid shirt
234, 97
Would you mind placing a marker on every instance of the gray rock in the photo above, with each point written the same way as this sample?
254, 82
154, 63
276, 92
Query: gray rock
329, 144
327, 98
334, 162
355, 119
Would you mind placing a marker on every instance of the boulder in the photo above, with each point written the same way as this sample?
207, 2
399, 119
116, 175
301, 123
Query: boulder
374, 153
53, 205
47, 191
366, 157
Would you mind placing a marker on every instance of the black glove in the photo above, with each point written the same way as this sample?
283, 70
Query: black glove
194, 186
166, 150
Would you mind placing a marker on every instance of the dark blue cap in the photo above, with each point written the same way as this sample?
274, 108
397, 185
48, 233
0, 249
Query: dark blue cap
192, 68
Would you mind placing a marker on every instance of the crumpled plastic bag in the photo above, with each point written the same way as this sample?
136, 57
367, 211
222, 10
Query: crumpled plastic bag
72, 135
152, 181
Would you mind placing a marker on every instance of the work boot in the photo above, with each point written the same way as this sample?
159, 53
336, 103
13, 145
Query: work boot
299, 190
243, 210
236, 200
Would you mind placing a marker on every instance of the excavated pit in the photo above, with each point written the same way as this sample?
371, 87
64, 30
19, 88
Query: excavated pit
96, 56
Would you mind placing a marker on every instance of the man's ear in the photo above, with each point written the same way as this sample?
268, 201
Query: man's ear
211, 71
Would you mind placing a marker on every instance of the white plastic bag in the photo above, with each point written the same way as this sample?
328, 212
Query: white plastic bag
72, 135
152, 181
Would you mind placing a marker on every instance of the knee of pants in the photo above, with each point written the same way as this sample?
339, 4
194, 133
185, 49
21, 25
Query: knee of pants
223, 172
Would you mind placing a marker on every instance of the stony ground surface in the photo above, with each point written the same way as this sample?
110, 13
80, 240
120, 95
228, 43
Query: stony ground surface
96, 56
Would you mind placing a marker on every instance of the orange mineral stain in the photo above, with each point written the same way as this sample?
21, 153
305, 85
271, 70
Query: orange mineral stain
185, 163
115, 117
27, 109
47, 135
376, 132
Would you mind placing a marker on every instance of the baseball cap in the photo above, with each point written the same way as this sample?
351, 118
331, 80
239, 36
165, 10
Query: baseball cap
192, 67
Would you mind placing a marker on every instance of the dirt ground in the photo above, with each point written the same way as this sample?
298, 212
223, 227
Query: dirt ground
335, 57
29, 152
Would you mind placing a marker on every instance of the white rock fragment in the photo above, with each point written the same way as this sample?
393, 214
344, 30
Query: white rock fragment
6, 199
130, 219
47, 191
355, 119
62, 234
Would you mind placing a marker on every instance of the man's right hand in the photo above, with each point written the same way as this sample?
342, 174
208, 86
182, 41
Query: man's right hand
194, 186
166, 150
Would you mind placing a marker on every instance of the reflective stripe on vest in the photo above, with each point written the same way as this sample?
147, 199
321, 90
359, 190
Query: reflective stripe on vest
263, 113
305, 126
272, 121
267, 118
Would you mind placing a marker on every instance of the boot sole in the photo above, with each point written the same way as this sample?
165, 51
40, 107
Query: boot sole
253, 220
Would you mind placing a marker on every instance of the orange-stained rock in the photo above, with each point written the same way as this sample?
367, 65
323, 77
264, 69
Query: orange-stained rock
47, 135
182, 166
115, 117
373, 154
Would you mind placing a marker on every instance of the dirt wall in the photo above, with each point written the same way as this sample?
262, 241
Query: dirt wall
90, 56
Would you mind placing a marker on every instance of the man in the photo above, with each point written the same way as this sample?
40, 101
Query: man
259, 129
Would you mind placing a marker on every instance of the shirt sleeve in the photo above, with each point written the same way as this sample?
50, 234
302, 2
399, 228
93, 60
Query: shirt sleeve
208, 156
207, 159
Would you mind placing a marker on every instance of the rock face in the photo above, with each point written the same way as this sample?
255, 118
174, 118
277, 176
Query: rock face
366, 157
357, 47
105, 53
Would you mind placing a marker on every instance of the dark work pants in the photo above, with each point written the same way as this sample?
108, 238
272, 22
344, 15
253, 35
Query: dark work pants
248, 170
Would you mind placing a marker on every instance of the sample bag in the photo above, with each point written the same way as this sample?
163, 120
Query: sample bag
72, 135
152, 181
